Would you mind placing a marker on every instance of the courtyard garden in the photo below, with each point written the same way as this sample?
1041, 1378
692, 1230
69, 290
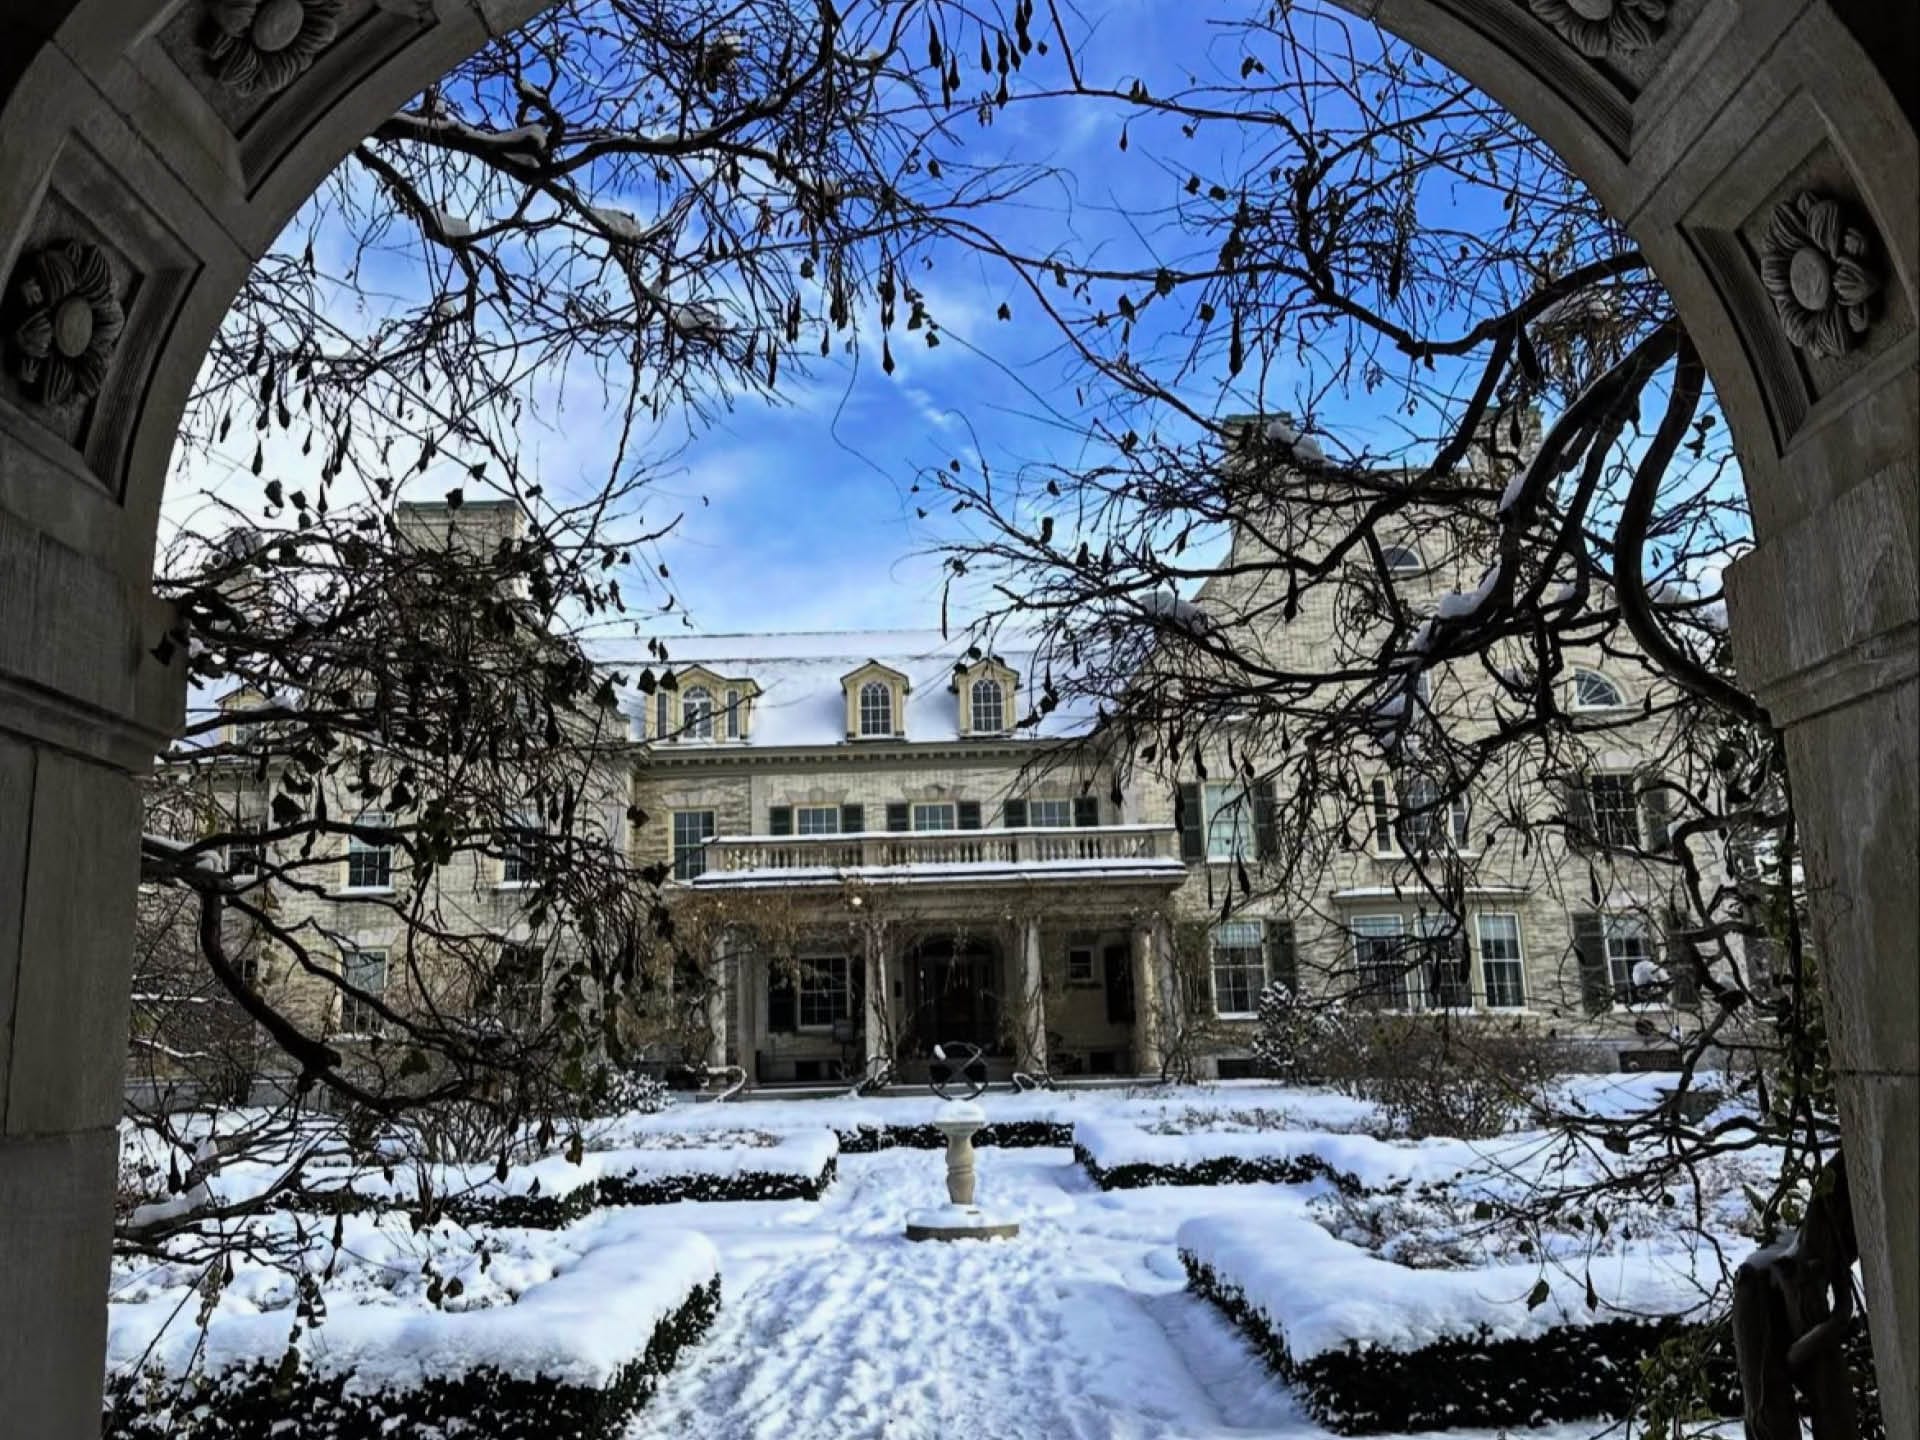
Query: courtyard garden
1192, 1261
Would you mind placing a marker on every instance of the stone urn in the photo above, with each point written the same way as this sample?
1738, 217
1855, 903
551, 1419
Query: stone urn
960, 1218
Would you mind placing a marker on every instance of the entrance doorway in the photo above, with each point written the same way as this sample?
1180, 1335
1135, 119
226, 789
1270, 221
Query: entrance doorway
956, 994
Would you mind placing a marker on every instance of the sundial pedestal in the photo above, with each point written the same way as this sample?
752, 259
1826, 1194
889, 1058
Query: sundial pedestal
959, 1218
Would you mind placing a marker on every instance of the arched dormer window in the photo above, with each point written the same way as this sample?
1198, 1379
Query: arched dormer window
989, 707
1402, 559
876, 708
696, 714
1593, 691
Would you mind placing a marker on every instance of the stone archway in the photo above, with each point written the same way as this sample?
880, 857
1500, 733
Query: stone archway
153, 183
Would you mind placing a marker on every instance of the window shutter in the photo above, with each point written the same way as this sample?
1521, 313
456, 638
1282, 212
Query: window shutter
1013, 814
1383, 837
1283, 967
780, 820
1117, 961
1461, 813
1579, 812
1188, 820
783, 1003
1683, 962
853, 819
899, 816
1266, 841
733, 714
969, 814
1656, 822
1086, 810
1590, 950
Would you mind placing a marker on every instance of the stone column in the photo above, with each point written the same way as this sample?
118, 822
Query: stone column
1031, 1001
746, 999
876, 1027
718, 997
1146, 998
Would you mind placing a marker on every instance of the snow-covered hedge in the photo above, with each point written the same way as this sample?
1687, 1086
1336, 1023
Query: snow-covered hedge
572, 1359
1120, 1156
555, 1191
1371, 1346
864, 1139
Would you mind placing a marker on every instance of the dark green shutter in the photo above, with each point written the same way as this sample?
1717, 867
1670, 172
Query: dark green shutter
1266, 840
1590, 951
1579, 811
1683, 964
853, 819
969, 814
1188, 820
1013, 814
899, 816
1117, 961
1283, 965
780, 820
783, 1002
1086, 810
1656, 821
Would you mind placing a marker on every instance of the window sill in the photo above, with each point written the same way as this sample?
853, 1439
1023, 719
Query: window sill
361, 892
1245, 1017
513, 885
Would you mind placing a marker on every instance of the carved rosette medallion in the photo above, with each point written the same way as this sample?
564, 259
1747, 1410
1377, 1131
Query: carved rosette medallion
1597, 28
67, 323
1818, 268
258, 47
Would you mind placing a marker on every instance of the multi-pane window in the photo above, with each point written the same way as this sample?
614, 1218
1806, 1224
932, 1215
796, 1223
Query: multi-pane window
876, 708
816, 820
935, 816
1502, 971
1239, 967
1380, 963
1421, 822
989, 708
692, 829
1593, 691
245, 855
1228, 827
1613, 811
1443, 980
513, 996
517, 857
365, 971
370, 861
823, 990
1049, 812
1402, 559
1080, 959
1630, 962
696, 714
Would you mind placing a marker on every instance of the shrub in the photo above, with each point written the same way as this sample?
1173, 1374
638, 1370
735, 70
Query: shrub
618, 1090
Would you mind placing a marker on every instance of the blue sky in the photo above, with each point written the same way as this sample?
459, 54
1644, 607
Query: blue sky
798, 514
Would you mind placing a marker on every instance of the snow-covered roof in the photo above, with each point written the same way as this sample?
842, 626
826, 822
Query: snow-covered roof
801, 702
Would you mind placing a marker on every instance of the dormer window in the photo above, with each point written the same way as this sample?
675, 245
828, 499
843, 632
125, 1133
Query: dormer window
876, 708
696, 713
1593, 691
989, 707
1402, 559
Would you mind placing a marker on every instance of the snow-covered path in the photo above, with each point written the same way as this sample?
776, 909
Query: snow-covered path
833, 1325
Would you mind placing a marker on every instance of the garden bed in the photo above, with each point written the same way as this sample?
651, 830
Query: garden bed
1373, 1347
573, 1357
1121, 1156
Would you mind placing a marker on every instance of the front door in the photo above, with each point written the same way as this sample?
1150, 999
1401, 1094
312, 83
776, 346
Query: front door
956, 995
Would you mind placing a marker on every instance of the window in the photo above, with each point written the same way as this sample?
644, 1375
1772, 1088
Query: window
823, 991
1228, 828
661, 724
989, 708
1080, 960
692, 829
512, 994
370, 862
366, 971
1630, 962
1425, 823
1593, 691
1050, 813
245, 856
1380, 962
733, 714
1239, 968
939, 816
816, 820
1402, 559
1613, 811
1443, 980
696, 714
517, 847
1501, 970
876, 708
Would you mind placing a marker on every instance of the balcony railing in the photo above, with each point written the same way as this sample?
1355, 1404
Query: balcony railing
1118, 847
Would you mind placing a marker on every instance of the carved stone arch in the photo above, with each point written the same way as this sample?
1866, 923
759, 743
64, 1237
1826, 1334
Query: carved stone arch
1741, 142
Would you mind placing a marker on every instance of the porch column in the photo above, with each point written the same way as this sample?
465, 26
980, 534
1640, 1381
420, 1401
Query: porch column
1031, 998
718, 993
1146, 998
746, 999
876, 1021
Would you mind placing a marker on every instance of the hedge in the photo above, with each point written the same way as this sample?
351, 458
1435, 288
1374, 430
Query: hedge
257, 1403
1011, 1135
1220, 1170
